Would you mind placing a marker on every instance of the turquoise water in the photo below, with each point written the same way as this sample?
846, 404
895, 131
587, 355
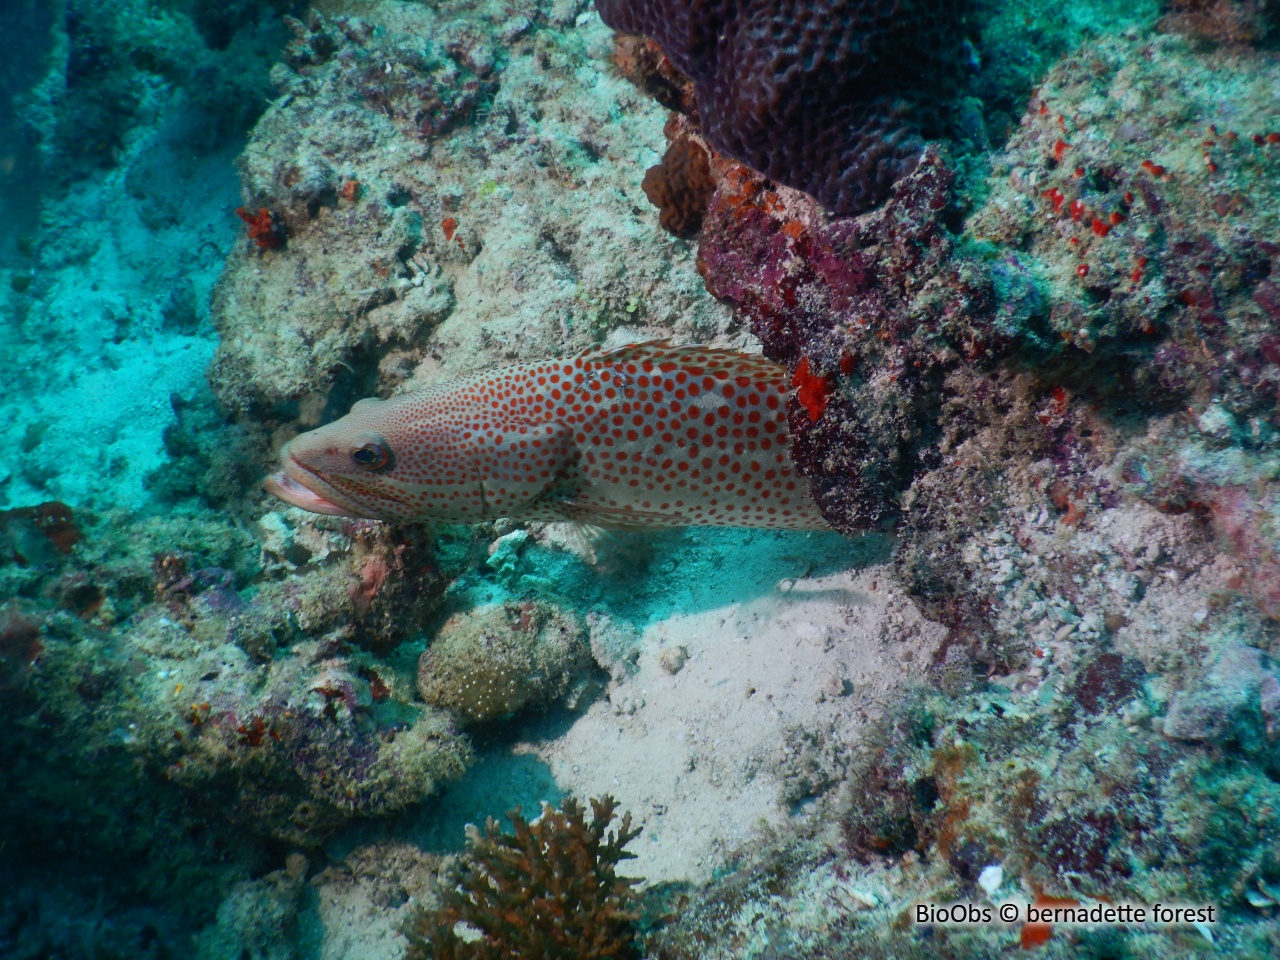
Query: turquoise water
1032, 390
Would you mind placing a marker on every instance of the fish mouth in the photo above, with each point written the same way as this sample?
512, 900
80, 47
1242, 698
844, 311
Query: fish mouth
288, 486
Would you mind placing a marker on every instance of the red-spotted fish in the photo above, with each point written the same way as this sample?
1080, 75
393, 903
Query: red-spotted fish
647, 435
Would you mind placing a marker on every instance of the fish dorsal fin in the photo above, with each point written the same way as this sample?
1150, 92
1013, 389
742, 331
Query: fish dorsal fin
691, 357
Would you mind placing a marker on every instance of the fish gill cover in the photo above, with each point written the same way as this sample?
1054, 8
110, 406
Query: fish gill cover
1029, 332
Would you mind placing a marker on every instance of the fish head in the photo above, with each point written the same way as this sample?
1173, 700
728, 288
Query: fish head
352, 467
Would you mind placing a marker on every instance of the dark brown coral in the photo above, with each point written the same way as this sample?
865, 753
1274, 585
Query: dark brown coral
680, 187
1226, 21
550, 891
832, 97
20, 643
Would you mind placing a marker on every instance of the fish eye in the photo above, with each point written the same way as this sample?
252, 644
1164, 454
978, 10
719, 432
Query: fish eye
373, 455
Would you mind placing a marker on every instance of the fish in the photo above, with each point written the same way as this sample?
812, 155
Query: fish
646, 435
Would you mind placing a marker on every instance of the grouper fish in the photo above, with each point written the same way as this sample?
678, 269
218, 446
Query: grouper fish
647, 435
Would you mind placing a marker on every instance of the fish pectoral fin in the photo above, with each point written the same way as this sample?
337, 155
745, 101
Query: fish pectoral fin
515, 464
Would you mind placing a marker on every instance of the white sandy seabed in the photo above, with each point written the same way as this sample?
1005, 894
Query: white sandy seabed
754, 661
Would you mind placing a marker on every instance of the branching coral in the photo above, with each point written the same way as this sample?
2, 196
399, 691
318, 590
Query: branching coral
549, 890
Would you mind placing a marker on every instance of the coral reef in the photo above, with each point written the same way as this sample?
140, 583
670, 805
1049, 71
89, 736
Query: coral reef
1081, 793
257, 702
207, 461
493, 661
1039, 378
548, 889
1080, 375
1138, 230
1155, 278
1126, 278
385, 592
276, 719
295, 764
259, 918
831, 99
